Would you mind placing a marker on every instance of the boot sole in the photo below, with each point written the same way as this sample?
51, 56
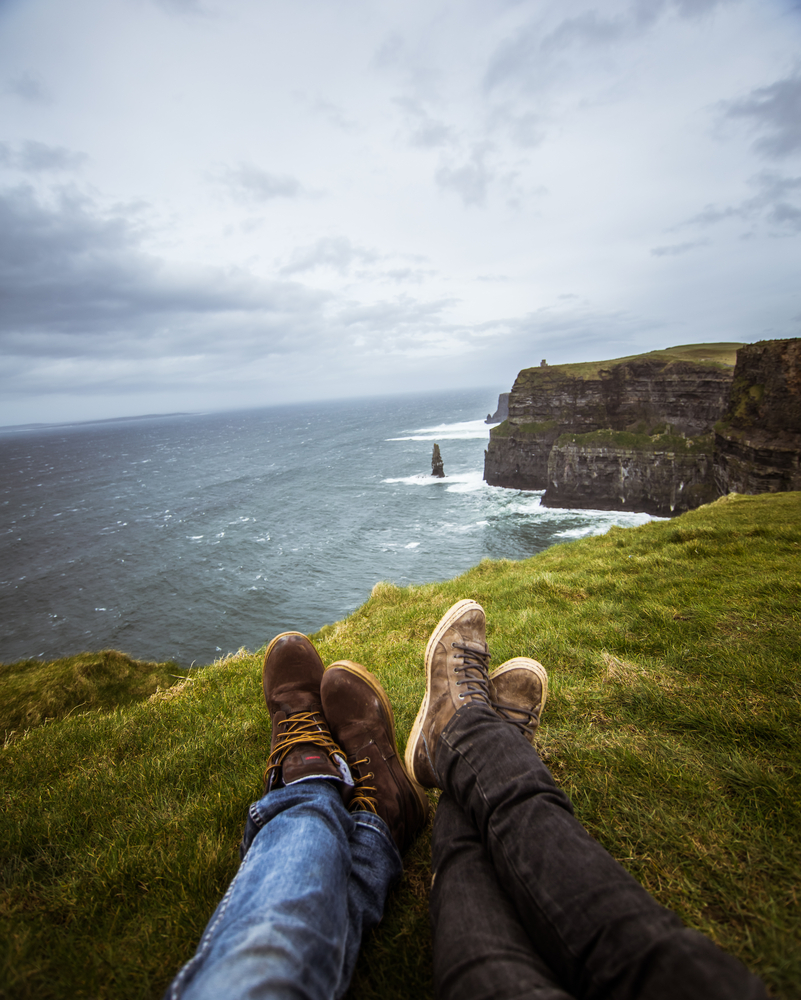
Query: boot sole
447, 620
375, 684
533, 666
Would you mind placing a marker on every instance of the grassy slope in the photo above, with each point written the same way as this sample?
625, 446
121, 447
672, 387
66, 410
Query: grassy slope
34, 691
673, 721
722, 355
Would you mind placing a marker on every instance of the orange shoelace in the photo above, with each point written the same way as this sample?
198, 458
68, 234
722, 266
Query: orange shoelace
303, 727
361, 799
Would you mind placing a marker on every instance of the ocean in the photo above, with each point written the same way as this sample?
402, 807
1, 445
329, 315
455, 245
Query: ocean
185, 537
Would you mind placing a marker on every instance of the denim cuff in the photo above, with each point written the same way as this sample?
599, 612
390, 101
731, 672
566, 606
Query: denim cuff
261, 811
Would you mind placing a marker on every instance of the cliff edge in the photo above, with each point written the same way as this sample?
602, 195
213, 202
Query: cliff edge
634, 433
758, 439
662, 432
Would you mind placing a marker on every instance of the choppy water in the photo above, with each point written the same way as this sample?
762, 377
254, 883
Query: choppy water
186, 537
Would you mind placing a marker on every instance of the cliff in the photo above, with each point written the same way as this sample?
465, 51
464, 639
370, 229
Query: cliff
662, 474
758, 439
630, 434
502, 412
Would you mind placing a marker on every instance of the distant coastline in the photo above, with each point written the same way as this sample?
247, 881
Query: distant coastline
10, 428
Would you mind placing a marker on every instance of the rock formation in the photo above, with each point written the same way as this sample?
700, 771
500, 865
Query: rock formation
502, 412
758, 439
631, 434
437, 468
662, 432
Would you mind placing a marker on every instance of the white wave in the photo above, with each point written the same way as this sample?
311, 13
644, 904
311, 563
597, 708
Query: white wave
464, 482
467, 482
412, 545
419, 479
194, 538
462, 529
464, 430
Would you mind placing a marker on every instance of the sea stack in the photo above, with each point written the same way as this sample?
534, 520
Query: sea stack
436, 463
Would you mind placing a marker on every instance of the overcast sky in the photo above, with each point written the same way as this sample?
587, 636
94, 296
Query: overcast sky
224, 203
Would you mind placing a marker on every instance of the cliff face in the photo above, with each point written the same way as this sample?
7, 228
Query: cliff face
659, 477
655, 412
502, 412
663, 432
689, 396
758, 440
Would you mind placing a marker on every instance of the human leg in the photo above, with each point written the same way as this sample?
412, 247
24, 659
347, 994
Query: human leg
314, 876
598, 929
481, 949
388, 810
281, 928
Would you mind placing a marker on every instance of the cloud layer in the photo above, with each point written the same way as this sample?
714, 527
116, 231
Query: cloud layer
208, 205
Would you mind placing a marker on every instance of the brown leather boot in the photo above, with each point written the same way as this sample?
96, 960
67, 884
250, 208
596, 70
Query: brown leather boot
301, 745
456, 675
358, 710
520, 690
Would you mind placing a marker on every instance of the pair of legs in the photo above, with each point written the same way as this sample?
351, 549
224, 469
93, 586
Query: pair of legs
322, 846
524, 902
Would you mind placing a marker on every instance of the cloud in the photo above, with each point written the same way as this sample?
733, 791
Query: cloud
77, 277
183, 7
341, 255
336, 252
775, 203
520, 58
249, 183
470, 181
37, 157
775, 109
88, 309
424, 131
675, 249
332, 113
29, 87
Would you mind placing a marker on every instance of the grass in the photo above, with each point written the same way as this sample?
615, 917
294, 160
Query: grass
723, 355
664, 442
36, 691
673, 722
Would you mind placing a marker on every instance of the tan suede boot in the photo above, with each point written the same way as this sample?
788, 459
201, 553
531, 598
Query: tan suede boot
360, 716
456, 663
520, 690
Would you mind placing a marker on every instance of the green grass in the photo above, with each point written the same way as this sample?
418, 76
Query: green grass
673, 722
36, 691
664, 442
723, 355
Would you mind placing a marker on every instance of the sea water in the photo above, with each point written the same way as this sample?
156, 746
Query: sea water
189, 536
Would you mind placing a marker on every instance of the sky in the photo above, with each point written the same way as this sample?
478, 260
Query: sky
208, 205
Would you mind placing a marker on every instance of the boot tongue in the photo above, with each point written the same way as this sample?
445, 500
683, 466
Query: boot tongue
307, 760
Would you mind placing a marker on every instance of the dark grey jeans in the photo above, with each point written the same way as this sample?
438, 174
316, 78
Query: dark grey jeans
526, 904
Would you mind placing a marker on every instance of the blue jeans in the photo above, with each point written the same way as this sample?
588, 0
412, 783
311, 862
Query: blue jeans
313, 879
